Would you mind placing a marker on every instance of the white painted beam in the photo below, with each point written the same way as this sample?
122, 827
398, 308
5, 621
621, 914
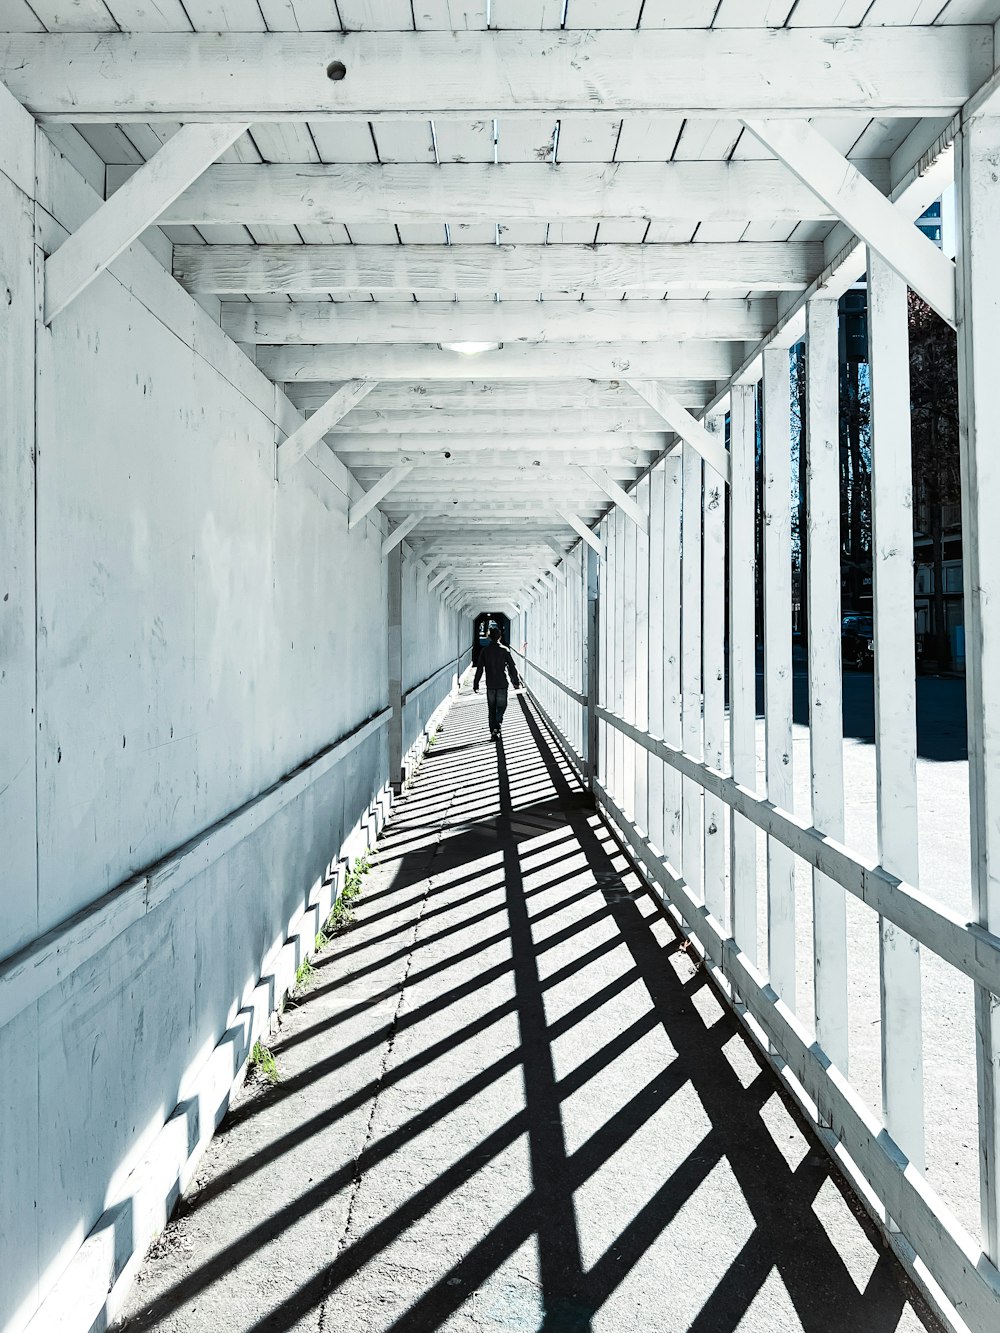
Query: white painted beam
863, 208
617, 495
470, 448
399, 533
378, 492
418, 362
396, 270
501, 322
580, 528
557, 546
280, 194
101, 239
323, 420
915, 71
438, 579
679, 419
494, 419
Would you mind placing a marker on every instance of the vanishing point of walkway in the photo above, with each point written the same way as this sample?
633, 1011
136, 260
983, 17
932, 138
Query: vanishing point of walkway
511, 1101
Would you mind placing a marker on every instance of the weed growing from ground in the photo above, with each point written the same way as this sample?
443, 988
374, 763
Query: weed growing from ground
342, 916
262, 1063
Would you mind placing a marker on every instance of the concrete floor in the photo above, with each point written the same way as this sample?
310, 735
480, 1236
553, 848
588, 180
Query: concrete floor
511, 1102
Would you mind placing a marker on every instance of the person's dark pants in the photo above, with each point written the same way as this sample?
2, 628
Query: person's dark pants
496, 703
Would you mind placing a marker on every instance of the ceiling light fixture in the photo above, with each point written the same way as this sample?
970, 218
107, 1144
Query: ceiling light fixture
470, 349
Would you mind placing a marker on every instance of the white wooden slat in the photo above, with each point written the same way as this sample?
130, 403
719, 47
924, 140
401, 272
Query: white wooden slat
580, 529
736, 72
18, 16
323, 420
895, 697
679, 419
656, 651
121, 219
494, 418
713, 658
619, 526
671, 666
85, 17
979, 218
502, 322
743, 660
968, 1279
231, 16
476, 270
378, 492
471, 188
778, 665
641, 667
449, 15
376, 15
599, 476
600, 361
398, 533
691, 659
630, 607
826, 743
863, 208
603, 13
150, 15
752, 13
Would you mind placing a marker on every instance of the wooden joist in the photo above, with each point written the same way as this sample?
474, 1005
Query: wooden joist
600, 361
500, 322
915, 71
280, 194
397, 271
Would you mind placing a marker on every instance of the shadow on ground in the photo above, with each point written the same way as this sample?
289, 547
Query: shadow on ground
512, 1101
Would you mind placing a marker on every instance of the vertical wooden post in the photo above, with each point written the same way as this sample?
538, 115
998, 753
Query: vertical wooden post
713, 656
604, 662
641, 663
743, 659
778, 665
672, 697
395, 654
895, 697
691, 557
978, 149
826, 732
656, 663
618, 522
592, 686
630, 607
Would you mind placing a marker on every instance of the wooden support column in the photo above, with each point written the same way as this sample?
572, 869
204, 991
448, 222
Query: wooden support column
743, 660
394, 645
655, 659
895, 697
600, 768
778, 666
629, 630
978, 150
691, 609
713, 657
641, 655
826, 732
673, 732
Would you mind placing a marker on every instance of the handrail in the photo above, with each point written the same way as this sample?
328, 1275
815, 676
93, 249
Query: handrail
575, 759
34, 969
566, 689
415, 689
969, 947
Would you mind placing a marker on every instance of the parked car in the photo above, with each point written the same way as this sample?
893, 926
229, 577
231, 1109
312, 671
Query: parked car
857, 641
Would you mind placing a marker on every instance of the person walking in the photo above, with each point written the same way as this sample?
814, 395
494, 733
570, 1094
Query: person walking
498, 664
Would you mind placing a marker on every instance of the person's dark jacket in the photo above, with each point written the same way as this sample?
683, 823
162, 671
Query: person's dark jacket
498, 664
